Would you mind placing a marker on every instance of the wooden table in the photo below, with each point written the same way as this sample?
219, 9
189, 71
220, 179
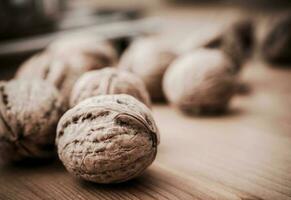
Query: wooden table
245, 154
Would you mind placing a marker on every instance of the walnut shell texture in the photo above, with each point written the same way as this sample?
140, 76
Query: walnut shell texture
148, 59
109, 81
200, 82
64, 62
276, 45
49, 68
107, 138
29, 112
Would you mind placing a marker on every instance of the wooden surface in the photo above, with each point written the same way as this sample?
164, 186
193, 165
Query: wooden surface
247, 150
245, 154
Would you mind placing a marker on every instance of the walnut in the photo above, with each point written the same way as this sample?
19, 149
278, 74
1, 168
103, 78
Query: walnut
148, 59
62, 65
109, 81
276, 45
29, 112
107, 138
200, 82
236, 40
85, 51
49, 68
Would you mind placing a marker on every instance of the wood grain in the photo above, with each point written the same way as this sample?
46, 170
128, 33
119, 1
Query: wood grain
249, 149
53, 182
245, 154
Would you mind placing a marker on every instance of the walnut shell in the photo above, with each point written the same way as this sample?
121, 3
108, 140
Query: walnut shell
201, 82
107, 139
85, 51
109, 81
236, 40
29, 112
63, 64
49, 68
149, 60
276, 45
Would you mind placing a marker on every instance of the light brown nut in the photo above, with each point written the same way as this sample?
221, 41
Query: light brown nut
107, 139
49, 68
29, 112
63, 65
201, 82
109, 81
236, 40
85, 52
148, 59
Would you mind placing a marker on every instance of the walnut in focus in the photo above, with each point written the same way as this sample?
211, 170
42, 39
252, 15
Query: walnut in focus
149, 59
109, 81
200, 82
107, 139
29, 113
276, 45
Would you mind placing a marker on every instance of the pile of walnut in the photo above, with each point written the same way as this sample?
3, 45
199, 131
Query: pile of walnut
96, 109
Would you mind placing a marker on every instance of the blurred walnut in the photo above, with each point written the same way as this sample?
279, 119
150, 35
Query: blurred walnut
200, 82
276, 45
29, 112
148, 59
66, 61
84, 52
236, 40
107, 139
109, 81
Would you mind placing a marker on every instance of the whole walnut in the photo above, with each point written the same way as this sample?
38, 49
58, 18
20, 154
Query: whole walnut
47, 67
200, 82
109, 81
29, 113
107, 139
276, 45
85, 51
236, 40
148, 59
63, 65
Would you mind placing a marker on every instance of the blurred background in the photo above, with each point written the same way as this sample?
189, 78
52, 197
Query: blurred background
28, 26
